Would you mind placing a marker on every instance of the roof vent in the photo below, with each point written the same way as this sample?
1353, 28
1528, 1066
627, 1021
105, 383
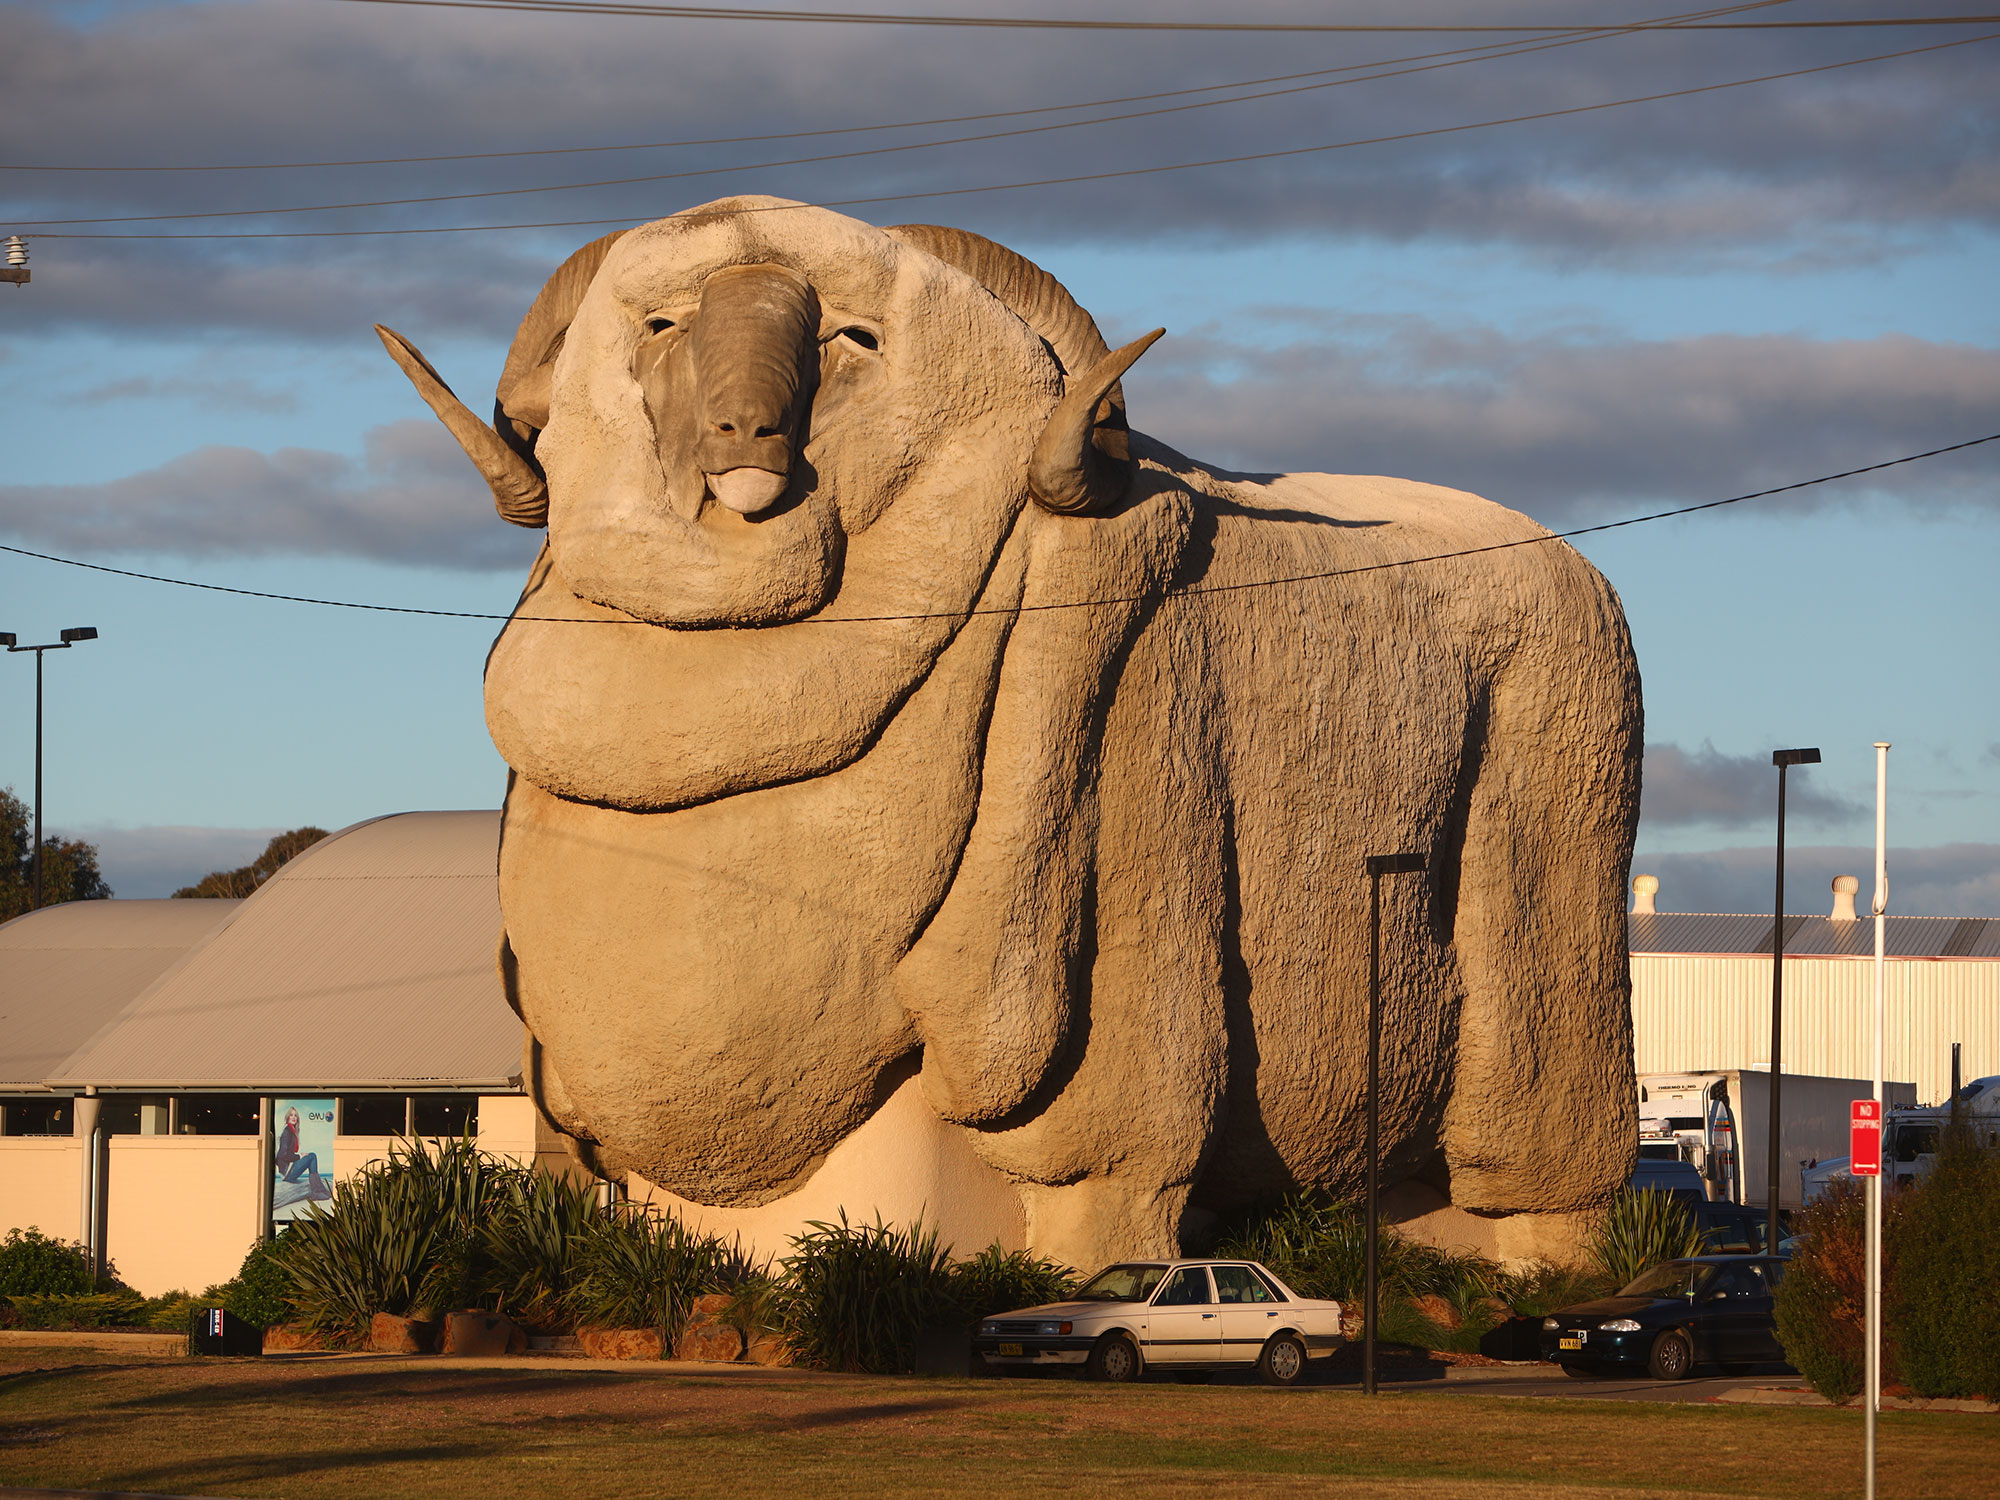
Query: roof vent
1643, 889
1844, 887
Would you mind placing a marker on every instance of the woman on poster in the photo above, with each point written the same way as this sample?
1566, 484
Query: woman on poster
291, 1166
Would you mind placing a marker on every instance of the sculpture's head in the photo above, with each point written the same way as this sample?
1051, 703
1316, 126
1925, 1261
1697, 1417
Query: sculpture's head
704, 409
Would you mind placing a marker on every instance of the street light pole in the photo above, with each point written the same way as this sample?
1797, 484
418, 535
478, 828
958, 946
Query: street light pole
69, 639
1378, 866
1784, 760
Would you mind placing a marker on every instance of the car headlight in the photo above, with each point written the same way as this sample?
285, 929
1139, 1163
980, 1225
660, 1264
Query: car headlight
989, 1329
1620, 1325
1052, 1330
1550, 1325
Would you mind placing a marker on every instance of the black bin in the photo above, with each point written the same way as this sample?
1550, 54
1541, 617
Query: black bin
216, 1330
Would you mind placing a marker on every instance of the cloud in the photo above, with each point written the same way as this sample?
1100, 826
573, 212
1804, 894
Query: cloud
1950, 880
411, 498
209, 395
1854, 165
1573, 425
159, 860
1707, 787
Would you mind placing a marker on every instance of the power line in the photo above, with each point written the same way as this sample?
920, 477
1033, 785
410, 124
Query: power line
1493, 49
1003, 187
1216, 588
1045, 23
1515, 49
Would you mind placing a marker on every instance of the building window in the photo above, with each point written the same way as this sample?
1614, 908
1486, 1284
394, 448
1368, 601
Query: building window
447, 1114
218, 1114
119, 1115
36, 1117
372, 1114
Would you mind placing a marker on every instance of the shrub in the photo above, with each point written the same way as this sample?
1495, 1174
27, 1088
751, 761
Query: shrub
171, 1311
32, 1264
1821, 1301
1640, 1230
855, 1296
1539, 1288
260, 1292
528, 1246
996, 1281
119, 1309
1316, 1245
397, 1237
636, 1269
1941, 1290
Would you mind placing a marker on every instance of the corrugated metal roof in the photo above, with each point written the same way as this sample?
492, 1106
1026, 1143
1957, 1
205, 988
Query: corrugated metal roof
66, 970
366, 962
1905, 937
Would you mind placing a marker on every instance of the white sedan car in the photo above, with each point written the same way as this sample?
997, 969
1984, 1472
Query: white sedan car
1169, 1315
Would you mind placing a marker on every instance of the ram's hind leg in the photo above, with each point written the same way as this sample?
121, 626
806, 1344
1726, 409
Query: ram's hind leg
1542, 1116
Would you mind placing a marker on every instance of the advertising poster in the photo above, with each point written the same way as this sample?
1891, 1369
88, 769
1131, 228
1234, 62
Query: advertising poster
301, 1156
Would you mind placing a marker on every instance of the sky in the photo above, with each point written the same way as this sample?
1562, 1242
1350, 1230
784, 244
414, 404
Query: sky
1589, 317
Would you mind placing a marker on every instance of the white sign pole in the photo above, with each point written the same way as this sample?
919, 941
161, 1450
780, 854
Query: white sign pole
1873, 1324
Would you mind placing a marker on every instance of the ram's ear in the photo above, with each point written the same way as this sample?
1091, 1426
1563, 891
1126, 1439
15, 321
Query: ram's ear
521, 409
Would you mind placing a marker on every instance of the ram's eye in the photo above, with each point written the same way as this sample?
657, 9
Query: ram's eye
860, 336
658, 325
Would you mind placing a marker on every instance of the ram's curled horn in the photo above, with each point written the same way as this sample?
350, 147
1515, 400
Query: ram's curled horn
520, 493
1071, 480
522, 408
1071, 472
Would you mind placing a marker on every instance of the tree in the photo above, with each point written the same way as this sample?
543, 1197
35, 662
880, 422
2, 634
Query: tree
69, 866
236, 884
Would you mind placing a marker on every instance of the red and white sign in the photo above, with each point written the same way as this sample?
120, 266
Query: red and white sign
1864, 1138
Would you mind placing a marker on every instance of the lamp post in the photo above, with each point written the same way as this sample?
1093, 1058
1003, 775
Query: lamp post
69, 639
1378, 866
1784, 760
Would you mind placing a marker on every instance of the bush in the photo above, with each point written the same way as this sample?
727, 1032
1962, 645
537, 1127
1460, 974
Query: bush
1941, 1291
120, 1309
1539, 1288
261, 1292
1821, 1303
640, 1270
855, 1296
1640, 1230
32, 1264
528, 1246
997, 1281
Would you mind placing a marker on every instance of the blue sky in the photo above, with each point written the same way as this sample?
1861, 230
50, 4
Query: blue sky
1583, 318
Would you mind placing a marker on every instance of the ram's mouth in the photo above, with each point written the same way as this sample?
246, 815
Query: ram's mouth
747, 491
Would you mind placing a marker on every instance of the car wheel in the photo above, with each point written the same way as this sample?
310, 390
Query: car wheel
1114, 1357
1581, 1372
1673, 1356
1283, 1360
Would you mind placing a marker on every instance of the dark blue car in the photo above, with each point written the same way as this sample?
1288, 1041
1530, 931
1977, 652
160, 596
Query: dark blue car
1711, 1309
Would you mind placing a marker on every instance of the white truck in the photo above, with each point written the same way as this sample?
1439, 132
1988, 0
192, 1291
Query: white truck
1910, 1137
1719, 1122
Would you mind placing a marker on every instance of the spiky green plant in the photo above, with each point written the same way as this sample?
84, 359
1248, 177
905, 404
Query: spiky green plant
639, 1269
529, 1242
856, 1296
997, 1280
1641, 1229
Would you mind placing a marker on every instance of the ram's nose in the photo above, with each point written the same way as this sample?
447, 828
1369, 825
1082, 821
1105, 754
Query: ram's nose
747, 490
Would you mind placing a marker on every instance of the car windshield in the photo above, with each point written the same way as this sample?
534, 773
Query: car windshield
1122, 1284
1676, 1278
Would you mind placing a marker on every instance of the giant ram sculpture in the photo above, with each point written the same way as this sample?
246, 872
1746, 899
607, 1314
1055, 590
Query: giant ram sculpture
880, 703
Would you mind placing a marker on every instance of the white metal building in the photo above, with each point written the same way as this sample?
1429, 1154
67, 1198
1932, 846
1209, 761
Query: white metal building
1701, 993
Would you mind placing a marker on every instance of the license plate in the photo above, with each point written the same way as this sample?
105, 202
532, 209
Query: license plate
1574, 1341
1013, 1349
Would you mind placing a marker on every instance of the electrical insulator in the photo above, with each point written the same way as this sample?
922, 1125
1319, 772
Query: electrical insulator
17, 253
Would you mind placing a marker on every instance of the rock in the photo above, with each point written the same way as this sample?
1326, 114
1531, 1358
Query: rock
289, 1338
620, 1343
714, 1342
481, 1335
712, 1308
769, 1349
389, 1334
1437, 1310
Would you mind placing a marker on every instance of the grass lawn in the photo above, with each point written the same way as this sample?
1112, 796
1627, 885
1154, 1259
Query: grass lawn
549, 1428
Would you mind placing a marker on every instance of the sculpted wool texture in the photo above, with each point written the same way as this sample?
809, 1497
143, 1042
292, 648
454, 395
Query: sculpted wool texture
811, 789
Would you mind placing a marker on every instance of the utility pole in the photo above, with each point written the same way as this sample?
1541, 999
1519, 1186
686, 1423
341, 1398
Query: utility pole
1784, 760
1378, 866
69, 639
